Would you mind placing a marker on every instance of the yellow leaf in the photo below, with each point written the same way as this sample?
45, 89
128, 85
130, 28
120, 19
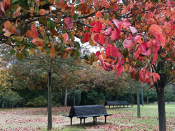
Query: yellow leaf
39, 48
32, 50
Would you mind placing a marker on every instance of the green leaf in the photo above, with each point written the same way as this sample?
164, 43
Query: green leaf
50, 24
77, 44
25, 53
57, 1
75, 16
37, 10
155, 1
77, 1
168, 55
12, 52
139, 17
13, 1
24, 4
106, 16
0, 29
14, 7
43, 20
86, 57
19, 56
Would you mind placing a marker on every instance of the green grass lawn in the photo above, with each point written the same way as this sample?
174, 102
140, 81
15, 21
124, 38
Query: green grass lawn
124, 119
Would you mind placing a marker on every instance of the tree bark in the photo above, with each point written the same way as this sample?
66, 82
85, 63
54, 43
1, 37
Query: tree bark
65, 98
138, 104
98, 98
161, 108
49, 125
147, 98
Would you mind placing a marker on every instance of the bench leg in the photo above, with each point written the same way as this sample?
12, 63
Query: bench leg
80, 121
71, 121
94, 120
109, 106
84, 120
105, 119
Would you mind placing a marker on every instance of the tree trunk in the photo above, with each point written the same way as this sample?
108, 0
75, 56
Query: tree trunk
161, 108
138, 104
49, 108
65, 98
147, 97
131, 100
98, 98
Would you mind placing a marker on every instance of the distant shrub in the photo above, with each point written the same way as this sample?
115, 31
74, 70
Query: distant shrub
37, 102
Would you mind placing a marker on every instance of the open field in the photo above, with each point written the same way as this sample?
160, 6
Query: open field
35, 119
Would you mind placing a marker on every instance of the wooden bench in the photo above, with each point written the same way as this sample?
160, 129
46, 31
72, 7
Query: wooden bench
116, 103
83, 112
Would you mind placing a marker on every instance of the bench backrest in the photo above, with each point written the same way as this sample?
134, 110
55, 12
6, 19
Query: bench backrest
87, 110
116, 102
111, 103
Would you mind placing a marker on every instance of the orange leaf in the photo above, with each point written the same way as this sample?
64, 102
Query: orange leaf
52, 52
107, 5
33, 31
7, 25
42, 12
60, 4
98, 14
65, 36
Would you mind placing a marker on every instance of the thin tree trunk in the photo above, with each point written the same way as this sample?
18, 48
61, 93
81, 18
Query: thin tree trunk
131, 100
98, 98
161, 108
49, 126
138, 104
65, 98
147, 98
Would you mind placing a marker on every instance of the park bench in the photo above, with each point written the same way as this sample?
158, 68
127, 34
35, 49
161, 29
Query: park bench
116, 103
83, 112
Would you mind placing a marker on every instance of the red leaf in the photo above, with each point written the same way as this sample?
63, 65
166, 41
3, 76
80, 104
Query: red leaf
6, 4
133, 29
128, 43
117, 23
157, 33
97, 27
107, 31
68, 22
115, 34
154, 58
101, 39
2, 12
120, 70
154, 45
115, 7
132, 74
125, 24
65, 36
94, 38
86, 37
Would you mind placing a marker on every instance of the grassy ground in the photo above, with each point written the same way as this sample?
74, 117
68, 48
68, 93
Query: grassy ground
124, 119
